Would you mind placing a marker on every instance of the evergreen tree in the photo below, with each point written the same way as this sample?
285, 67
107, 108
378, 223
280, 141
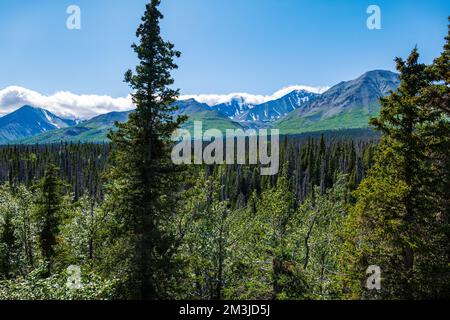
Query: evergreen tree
7, 236
395, 223
438, 94
437, 101
49, 210
143, 180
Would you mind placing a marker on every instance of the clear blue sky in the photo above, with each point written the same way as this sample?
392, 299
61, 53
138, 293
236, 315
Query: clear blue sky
255, 46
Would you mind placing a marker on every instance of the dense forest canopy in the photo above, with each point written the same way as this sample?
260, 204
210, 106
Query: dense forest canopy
121, 221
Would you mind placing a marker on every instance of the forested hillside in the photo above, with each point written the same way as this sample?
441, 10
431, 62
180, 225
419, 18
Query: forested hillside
316, 167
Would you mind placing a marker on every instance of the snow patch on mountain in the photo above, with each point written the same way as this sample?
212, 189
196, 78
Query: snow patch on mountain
251, 99
51, 120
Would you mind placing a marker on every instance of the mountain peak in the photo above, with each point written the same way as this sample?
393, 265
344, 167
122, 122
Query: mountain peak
299, 88
379, 74
29, 121
349, 104
26, 109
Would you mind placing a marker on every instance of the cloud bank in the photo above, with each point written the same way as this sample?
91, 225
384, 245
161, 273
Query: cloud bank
214, 99
64, 104
68, 105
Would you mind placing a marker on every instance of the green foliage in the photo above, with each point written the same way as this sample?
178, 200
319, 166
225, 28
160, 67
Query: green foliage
142, 179
400, 217
205, 226
292, 252
81, 165
270, 248
145, 229
36, 287
83, 233
320, 221
18, 245
50, 207
25, 270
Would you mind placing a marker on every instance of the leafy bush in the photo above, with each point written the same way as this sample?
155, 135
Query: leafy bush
34, 287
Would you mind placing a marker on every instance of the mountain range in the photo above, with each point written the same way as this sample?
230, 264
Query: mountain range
276, 109
347, 105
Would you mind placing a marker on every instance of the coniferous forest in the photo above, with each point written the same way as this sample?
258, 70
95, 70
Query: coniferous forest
119, 220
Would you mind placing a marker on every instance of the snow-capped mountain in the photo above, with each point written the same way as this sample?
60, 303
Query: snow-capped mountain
276, 109
234, 108
347, 105
238, 109
97, 128
29, 121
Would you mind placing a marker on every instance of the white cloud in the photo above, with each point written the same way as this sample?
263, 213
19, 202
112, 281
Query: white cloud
69, 105
213, 99
289, 89
63, 103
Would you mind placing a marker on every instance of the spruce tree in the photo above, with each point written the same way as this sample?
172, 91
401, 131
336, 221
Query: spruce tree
438, 94
50, 205
7, 236
437, 101
395, 223
142, 178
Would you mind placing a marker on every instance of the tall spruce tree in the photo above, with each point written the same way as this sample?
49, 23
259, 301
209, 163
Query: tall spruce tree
143, 180
437, 99
396, 222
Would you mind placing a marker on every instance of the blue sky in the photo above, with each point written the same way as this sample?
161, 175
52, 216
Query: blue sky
256, 46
